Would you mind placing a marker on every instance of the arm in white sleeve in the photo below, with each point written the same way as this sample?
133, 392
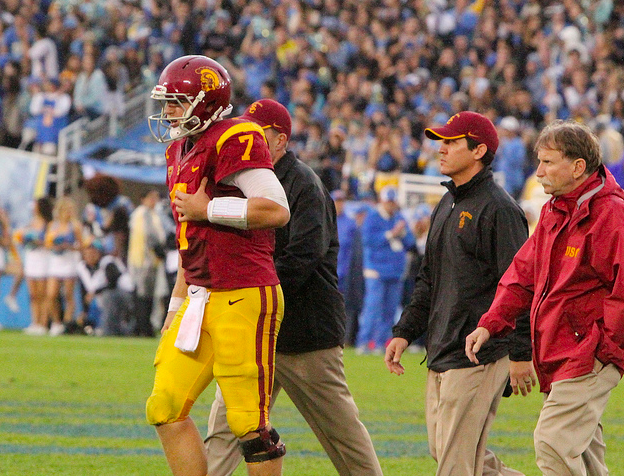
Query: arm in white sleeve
259, 183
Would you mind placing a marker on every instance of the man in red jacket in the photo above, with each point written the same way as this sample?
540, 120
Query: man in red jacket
570, 275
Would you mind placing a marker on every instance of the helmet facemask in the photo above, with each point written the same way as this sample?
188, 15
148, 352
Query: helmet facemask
186, 125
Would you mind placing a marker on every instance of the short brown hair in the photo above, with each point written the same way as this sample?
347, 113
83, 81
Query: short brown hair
574, 141
487, 158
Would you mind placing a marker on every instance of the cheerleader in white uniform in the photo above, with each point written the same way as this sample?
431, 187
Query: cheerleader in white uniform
10, 261
64, 240
36, 264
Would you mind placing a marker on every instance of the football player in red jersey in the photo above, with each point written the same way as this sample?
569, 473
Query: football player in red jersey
308, 358
227, 304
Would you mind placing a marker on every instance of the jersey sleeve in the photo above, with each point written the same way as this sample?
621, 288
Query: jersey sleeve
242, 146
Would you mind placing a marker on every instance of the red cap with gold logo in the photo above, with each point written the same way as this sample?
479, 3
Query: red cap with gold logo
467, 124
269, 113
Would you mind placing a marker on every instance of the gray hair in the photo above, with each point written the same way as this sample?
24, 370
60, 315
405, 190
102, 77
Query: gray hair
574, 141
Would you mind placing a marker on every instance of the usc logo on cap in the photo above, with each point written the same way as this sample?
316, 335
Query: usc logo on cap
452, 119
253, 107
462, 218
209, 79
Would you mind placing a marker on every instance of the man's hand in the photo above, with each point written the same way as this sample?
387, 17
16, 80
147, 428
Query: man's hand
393, 355
522, 377
192, 207
475, 341
168, 321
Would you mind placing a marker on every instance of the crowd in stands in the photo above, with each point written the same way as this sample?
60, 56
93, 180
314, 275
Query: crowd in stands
361, 78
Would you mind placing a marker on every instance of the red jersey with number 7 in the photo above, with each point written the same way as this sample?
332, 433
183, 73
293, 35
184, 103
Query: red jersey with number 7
216, 256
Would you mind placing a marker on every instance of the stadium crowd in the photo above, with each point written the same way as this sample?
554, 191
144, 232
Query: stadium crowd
361, 78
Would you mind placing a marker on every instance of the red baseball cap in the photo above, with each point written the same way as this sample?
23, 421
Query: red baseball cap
467, 124
269, 113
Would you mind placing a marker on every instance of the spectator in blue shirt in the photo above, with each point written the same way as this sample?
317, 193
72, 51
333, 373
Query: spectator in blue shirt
350, 278
385, 239
90, 89
511, 156
257, 61
50, 108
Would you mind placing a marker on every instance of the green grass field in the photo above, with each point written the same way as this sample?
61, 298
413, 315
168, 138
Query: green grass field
74, 406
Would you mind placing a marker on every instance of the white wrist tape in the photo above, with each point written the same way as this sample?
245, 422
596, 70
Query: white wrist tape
175, 303
228, 211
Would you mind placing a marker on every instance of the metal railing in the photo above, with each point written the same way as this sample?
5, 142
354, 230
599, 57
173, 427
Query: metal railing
82, 132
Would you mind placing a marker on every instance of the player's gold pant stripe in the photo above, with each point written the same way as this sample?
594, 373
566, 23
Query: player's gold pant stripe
272, 338
265, 354
259, 360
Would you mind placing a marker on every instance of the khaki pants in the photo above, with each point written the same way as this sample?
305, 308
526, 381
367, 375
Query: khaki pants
568, 436
460, 409
315, 382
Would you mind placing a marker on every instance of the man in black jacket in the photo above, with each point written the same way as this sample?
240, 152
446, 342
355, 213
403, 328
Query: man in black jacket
476, 230
308, 361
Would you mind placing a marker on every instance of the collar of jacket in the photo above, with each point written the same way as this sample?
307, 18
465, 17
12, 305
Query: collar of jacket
458, 192
283, 164
573, 200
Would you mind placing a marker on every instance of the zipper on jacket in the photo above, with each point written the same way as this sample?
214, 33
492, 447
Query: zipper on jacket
539, 304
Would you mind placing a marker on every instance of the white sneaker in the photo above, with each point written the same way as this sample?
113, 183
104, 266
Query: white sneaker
11, 303
35, 330
56, 329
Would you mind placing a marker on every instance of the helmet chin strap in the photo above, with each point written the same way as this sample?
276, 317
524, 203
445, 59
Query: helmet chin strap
175, 132
226, 111
218, 114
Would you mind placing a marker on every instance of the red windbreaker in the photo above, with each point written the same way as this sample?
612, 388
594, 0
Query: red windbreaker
570, 274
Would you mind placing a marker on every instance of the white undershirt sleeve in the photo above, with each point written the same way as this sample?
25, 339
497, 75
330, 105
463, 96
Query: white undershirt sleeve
258, 183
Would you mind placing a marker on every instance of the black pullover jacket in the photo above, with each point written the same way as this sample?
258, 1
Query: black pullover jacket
476, 230
306, 254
